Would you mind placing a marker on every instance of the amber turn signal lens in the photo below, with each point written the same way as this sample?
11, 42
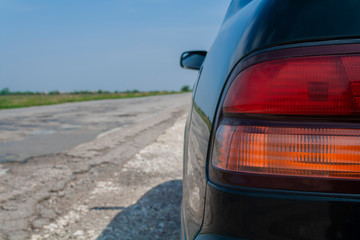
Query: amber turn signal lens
292, 151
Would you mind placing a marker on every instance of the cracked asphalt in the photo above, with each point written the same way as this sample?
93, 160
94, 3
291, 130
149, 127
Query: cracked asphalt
122, 181
35, 131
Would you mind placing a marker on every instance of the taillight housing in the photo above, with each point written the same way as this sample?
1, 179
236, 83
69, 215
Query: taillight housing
289, 120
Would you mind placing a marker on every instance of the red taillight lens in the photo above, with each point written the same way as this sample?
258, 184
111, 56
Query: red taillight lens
321, 86
327, 85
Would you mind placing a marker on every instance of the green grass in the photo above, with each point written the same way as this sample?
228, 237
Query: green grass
19, 101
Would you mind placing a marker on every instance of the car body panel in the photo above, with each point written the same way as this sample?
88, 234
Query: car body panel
280, 215
262, 24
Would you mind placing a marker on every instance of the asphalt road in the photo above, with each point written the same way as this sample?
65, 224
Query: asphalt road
94, 170
36, 131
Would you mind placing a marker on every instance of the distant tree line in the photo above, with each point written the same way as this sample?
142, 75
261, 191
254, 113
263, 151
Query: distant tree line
186, 88
6, 91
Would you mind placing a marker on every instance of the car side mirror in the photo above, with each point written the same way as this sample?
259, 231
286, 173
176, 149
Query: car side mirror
192, 59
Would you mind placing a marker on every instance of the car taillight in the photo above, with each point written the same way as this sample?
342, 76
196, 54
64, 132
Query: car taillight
266, 133
296, 151
328, 85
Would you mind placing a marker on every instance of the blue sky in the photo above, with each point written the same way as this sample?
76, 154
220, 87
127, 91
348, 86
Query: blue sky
111, 45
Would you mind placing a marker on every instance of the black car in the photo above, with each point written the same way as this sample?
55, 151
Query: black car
272, 143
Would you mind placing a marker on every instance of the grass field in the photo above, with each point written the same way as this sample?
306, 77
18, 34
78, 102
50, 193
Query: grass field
18, 101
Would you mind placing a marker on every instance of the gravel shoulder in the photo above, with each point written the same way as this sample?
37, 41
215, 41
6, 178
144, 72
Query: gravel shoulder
125, 184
